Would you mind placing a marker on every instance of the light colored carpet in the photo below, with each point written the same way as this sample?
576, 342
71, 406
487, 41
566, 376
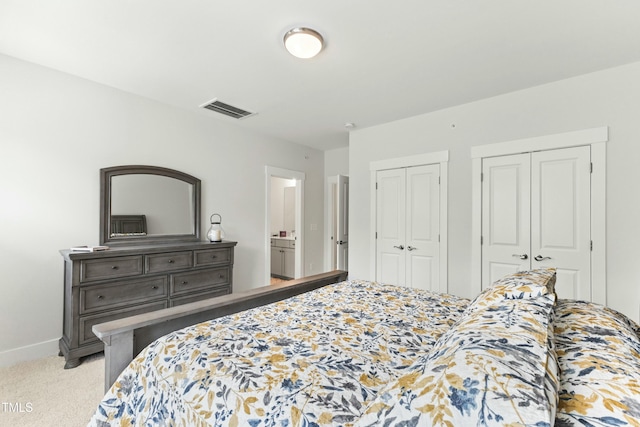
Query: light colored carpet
41, 393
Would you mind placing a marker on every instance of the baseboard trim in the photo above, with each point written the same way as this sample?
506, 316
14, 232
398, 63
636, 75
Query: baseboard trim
29, 352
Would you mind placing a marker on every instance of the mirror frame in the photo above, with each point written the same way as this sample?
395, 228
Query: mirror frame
105, 206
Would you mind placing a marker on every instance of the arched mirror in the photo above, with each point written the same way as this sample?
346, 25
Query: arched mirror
148, 204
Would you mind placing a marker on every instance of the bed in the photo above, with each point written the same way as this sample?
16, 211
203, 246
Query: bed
360, 353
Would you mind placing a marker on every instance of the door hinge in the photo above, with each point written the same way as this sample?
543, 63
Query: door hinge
591, 246
591, 167
438, 238
376, 234
481, 176
376, 185
438, 180
481, 240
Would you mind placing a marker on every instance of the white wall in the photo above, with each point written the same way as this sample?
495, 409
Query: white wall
57, 131
607, 98
336, 162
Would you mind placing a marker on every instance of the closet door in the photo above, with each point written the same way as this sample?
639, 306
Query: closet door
390, 226
506, 244
536, 212
408, 227
423, 227
561, 218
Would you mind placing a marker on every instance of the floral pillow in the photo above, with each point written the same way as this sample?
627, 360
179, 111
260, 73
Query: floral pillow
520, 285
496, 366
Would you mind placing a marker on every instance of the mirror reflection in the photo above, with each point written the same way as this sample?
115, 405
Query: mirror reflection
150, 205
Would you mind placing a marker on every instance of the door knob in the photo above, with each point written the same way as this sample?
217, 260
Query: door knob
541, 258
411, 248
521, 256
399, 247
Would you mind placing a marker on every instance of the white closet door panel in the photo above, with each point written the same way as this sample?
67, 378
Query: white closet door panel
390, 218
570, 284
391, 200
560, 217
505, 216
504, 193
421, 189
423, 227
498, 270
391, 267
420, 272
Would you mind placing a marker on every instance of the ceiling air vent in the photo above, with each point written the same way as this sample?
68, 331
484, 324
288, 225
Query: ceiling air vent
226, 109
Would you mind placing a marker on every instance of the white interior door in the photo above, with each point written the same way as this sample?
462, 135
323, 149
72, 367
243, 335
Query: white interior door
390, 226
342, 223
423, 227
561, 218
505, 216
536, 212
408, 227
333, 221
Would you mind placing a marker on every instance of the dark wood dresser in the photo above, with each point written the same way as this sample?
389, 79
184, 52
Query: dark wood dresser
129, 280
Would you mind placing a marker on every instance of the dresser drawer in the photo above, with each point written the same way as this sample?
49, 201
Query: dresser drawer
212, 256
198, 280
107, 296
87, 336
169, 261
110, 268
214, 292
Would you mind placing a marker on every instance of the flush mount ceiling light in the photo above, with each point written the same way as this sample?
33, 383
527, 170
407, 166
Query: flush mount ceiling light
303, 42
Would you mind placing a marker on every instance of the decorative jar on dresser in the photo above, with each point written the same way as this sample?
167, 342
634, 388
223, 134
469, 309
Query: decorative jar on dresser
125, 281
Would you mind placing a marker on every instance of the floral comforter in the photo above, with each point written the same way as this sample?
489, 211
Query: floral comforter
312, 360
362, 354
599, 356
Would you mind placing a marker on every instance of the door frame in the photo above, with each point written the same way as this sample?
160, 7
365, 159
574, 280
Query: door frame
271, 171
439, 157
330, 222
597, 139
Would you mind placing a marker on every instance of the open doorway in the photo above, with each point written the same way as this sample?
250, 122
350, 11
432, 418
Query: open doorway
284, 221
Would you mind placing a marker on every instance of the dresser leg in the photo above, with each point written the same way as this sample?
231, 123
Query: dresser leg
72, 363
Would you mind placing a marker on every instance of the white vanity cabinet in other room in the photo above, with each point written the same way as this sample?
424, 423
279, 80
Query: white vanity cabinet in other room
283, 254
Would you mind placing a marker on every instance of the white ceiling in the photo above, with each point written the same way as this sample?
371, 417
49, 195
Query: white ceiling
383, 60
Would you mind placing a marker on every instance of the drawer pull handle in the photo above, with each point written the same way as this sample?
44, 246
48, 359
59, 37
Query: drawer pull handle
115, 267
184, 282
221, 276
154, 287
170, 261
214, 256
100, 297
